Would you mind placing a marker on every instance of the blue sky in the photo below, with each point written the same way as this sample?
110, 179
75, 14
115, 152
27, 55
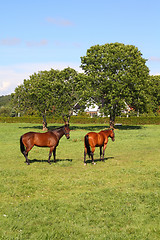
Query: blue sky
39, 35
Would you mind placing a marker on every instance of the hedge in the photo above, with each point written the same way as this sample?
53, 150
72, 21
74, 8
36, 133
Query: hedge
85, 120
138, 120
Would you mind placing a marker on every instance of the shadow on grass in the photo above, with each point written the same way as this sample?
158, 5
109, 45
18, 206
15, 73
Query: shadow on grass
35, 127
88, 127
98, 160
128, 127
46, 161
96, 128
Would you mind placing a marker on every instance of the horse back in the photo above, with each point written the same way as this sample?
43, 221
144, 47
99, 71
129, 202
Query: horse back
47, 139
96, 139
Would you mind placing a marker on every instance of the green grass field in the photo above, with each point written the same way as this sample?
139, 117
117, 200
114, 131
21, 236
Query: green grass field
115, 199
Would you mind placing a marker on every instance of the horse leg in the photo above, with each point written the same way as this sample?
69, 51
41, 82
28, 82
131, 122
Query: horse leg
100, 152
104, 147
92, 153
54, 154
26, 154
85, 153
50, 154
26, 157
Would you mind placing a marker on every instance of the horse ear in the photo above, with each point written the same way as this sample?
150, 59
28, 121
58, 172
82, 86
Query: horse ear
63, 118
66, 121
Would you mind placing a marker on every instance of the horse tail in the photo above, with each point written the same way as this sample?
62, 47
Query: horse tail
86, 139
22, 148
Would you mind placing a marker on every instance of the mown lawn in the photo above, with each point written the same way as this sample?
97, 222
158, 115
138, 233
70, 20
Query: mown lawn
115, 199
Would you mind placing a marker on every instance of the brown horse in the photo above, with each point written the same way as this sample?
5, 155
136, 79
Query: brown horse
93, 139
48, 139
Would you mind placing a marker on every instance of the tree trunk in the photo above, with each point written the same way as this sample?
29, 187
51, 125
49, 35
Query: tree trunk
44, 123
112, 121
112, 117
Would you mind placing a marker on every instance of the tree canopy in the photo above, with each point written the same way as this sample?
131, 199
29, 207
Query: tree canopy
118, 73
153, 93
49, 91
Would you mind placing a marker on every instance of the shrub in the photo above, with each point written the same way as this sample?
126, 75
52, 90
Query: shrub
85, 120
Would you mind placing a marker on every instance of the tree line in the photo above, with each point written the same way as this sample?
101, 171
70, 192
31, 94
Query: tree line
113, 74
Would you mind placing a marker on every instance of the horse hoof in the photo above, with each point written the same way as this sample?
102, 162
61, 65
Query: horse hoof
94, 163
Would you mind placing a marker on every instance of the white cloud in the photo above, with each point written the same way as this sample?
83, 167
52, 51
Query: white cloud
154, 73
9, 79
59, 21
154, 59
10, 41
13, 75
37, 44
4, 85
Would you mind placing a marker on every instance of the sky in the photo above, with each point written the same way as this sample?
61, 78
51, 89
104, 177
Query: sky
37, 35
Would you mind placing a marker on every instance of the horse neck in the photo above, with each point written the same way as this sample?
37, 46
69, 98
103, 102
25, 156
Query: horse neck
59, 132
108, 132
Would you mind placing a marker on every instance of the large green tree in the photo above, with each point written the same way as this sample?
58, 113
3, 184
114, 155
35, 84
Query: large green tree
48, 90
117, 74
153, 91
37, 93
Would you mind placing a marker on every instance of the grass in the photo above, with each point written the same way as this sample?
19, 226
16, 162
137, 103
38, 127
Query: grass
117, 199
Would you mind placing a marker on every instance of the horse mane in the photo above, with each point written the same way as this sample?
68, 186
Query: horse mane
57, 129
108, 129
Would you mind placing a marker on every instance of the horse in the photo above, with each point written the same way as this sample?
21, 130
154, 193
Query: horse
93, 139
48, 139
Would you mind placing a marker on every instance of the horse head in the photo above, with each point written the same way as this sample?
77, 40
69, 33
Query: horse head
66, 127
112, 135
